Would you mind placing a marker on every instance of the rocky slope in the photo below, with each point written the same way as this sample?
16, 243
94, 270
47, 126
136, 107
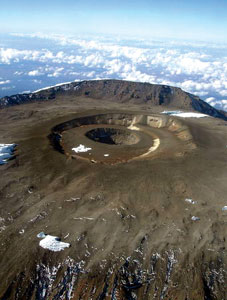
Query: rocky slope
120, 91
149, 228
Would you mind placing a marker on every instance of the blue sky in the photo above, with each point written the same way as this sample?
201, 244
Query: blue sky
192, 19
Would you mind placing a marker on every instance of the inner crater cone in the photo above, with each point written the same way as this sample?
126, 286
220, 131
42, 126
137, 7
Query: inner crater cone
117, 137
107, 143
112, 136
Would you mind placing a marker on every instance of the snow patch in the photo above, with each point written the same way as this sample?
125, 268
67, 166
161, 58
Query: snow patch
6, 152
63, 85
106, 155
52, 243
224, 208
81, 148
83, 218
41, 235
190, 201
179, 113
133, 127
194, 218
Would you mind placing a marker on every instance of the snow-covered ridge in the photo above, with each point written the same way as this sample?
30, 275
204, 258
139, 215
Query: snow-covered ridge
182, 114
56, 85
67, 85
6, 152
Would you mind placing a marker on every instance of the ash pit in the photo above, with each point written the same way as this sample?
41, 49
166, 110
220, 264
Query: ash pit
112, 136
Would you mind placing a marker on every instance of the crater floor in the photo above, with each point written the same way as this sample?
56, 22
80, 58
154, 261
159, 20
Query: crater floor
121, 137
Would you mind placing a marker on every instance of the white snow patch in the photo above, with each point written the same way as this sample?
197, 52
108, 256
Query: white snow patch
138, 251
83, 218
41, 235
62, 85
81, 148
65, 237
190, 201
6, 152
194, 218
224, 208
106, 155
52, 243
133, 127
179, 113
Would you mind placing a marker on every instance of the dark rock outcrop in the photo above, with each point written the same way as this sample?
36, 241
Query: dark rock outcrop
122, 92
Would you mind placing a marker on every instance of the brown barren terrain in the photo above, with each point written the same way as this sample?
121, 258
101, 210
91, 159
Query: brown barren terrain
128, 217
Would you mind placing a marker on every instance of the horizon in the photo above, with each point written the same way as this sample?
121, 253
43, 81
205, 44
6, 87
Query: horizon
181, 44
193, 20
31, 62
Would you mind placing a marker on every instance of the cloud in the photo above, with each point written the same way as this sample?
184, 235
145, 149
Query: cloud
4, 88
57, 72
223, 93
9, 54
18, 73
4, 82
196, 68
219, 104
37, 81
35, 73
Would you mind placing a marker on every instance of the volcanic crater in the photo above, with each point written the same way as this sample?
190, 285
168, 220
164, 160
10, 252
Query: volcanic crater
119, 137
140, 214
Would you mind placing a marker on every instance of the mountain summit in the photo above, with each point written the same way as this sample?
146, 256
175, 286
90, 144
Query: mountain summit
122, 92
111, 190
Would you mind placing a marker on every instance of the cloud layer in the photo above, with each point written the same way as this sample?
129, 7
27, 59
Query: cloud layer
196, 68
